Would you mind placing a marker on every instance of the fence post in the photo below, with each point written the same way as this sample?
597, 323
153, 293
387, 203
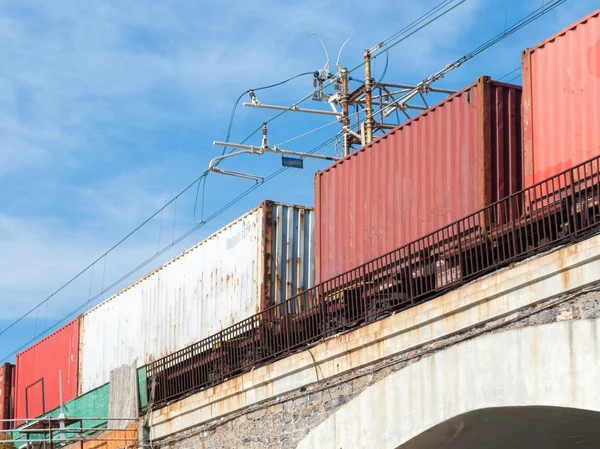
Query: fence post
573, 201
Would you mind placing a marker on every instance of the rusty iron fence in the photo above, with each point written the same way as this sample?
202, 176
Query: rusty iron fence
552, 212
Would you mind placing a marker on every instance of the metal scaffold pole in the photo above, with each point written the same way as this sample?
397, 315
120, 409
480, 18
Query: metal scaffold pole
369, 122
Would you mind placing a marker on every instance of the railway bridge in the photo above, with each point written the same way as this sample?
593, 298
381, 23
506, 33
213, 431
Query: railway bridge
511, 359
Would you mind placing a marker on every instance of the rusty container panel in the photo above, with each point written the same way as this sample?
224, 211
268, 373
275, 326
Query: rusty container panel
37, 388
6, 393
561, 102
448, 162
292, 244
238, 271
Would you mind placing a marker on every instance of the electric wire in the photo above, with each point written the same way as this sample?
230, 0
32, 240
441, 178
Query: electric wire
385, 67
237, 102
509, 73
203, 176
202, 179
544, 9
425, 16
531, 17
523, 22
329, 82
514, 77
308, 133
215, 214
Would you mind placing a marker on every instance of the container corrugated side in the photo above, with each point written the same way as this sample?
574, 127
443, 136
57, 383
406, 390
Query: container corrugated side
443, 164
561, 100
6, 383
224, 279
293, 250
38, 369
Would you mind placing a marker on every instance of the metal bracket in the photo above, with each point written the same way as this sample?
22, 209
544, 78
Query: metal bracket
250, 149
290, 109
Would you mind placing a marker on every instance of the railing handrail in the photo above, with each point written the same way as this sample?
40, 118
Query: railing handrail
417, 253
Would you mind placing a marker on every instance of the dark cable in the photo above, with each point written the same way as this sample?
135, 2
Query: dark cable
509, 73
153, 257
229, 128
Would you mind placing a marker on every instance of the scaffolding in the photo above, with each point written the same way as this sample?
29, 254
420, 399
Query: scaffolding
66, 431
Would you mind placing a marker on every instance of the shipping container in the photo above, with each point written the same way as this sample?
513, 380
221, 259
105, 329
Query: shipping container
39, 369
447, 162
6, 394
256, 261
561, 100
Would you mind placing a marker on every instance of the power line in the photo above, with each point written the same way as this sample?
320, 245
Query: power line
514, 78
204, 175
182, 237
308, 133
237, 102
509, 73
544, 9
202, 178
389, 43
483, 47
159, 253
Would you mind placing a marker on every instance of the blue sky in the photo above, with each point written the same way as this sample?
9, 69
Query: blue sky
108, 110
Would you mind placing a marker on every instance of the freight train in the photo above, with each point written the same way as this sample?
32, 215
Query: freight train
560, 209
425, 177
394, 224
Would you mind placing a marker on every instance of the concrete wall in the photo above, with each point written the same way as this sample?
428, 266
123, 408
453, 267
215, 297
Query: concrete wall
554, 365
284, 421
277, 405
497, 296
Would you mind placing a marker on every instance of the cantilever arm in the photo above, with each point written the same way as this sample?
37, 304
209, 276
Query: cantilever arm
213, 167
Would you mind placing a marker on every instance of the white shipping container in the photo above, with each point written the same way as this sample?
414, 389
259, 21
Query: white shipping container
257, 260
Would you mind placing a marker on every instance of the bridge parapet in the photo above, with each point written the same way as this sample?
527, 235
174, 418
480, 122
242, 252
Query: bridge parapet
543, 289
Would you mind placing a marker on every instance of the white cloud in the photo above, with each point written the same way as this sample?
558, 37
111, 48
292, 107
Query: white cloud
107, 108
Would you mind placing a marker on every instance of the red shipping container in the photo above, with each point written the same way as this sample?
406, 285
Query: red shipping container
38, 371
6, 384
561, 100
450, 161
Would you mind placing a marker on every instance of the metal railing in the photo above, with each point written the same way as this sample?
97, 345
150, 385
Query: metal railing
561, 208
51, 431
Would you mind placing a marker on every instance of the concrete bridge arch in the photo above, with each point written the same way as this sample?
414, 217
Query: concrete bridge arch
536, 386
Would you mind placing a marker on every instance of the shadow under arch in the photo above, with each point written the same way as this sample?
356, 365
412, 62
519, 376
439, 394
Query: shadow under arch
529, 427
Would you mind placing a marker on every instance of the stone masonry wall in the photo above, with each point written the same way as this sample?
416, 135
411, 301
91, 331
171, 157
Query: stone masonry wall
285, 421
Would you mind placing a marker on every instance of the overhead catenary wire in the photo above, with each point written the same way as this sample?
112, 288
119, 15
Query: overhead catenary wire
389, 43
256, 89
399, 37
202, 177
291, 177
214, 215
514, 77
536, 14
483, 47
509, 73
308, 133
